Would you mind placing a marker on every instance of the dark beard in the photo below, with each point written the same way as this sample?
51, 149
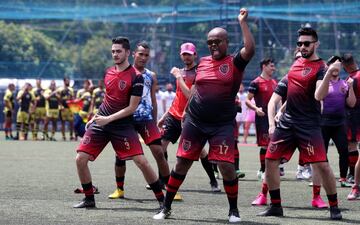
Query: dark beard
307, 55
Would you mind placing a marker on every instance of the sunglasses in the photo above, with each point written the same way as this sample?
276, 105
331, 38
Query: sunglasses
305, 43
215, 41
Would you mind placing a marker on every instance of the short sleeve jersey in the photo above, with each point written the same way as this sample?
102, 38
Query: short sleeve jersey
262, 90
302, 107
66, 93
98, 96
356, 85
120, 86
9, 97
145, 108
85, 96
53, 101
216, 85
281, 88
39, 93
178, 105
25, 100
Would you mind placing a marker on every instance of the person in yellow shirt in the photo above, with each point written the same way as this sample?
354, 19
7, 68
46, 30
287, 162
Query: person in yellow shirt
97, 97
9, 110
40, 112
81, 118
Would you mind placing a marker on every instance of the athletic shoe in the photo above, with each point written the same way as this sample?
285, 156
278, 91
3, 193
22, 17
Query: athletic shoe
8, 138
317, 202
261, 199
350, 179
162, 214
272, 211
80, 190
260, 175
335, 213
344, 183
148, 187
234, 216
16, 138
307, 173
240, 174
118, 193
85, 203
354, 194
215, 187
178, 197
311, 184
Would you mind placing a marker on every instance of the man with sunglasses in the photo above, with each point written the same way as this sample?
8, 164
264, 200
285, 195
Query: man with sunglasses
210, 114
299, 127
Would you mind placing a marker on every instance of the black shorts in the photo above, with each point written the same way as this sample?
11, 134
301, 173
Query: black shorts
8, 114
171, 129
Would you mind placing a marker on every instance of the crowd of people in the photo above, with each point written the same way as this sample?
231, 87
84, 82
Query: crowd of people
309, 106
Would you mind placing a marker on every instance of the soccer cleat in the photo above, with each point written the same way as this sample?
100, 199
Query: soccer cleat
234, 216
215, 187
240, 174
178, 197
307, 173
162, 214
344, 183
118, 193
311, 184
148, 187
354, 194
272, 211
350, 179
317, 202
335, 213
85, 203
261, 199
260, 175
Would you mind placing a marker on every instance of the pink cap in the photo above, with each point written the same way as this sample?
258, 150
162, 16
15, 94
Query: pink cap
188, 48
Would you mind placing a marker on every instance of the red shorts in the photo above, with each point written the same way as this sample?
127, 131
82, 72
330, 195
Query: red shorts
284, 142
195, 134
124, 140
148, 131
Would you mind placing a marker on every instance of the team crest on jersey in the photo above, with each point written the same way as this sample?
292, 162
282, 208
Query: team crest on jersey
122, 85
186, 145
224, 69
86, 140
306, 71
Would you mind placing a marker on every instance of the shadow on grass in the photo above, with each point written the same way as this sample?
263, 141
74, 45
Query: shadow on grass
214, 220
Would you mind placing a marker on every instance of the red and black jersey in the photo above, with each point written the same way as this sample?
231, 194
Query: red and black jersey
281, 88
356, 76
262, 90
216, 85
302, 107
120, 86
178, 105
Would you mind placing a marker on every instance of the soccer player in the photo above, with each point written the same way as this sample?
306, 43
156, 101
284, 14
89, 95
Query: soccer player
52, 103
353, 120
171, 120
144, 122
40, 111
97, 97
114, 123
26, 100
66, 93
81, 118
9, 110
300, 124
210, 114
341, 94
261, 89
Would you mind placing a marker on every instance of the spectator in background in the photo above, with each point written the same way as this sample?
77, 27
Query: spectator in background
168, 96
9, 110
160, 102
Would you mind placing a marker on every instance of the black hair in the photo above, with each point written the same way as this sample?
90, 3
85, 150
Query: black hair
266, 61
308, 31
332, 59
143, 44
124, 41
348, 59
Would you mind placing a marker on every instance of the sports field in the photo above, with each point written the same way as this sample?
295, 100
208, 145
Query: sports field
38, 179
